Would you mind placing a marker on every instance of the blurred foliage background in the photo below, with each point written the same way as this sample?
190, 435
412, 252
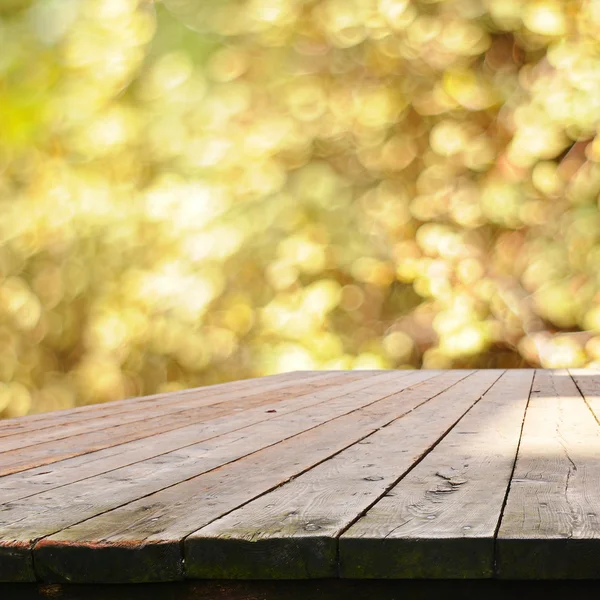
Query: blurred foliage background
194, 192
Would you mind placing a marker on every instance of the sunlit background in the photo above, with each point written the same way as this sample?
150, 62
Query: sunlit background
196, 191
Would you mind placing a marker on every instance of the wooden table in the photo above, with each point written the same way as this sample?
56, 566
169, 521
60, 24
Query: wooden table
371, 475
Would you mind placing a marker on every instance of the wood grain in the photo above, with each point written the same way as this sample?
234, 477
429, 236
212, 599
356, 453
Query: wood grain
291, 532
439, 521
38, 421
52, 451
206, 424
23, 522
551, 522
179, 406
159, 521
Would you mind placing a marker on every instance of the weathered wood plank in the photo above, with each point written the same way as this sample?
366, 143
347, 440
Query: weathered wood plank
551, 523
45, 453
40, 420
439, 521
136, 533
206, 423
55, 428
24, 522
291, 532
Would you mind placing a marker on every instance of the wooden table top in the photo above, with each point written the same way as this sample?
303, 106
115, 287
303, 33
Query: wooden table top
306, 475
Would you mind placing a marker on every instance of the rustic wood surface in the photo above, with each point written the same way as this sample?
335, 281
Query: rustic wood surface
440, 519
311, 475
551, 524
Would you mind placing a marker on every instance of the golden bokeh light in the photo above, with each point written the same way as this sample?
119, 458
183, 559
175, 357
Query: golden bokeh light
194, 192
